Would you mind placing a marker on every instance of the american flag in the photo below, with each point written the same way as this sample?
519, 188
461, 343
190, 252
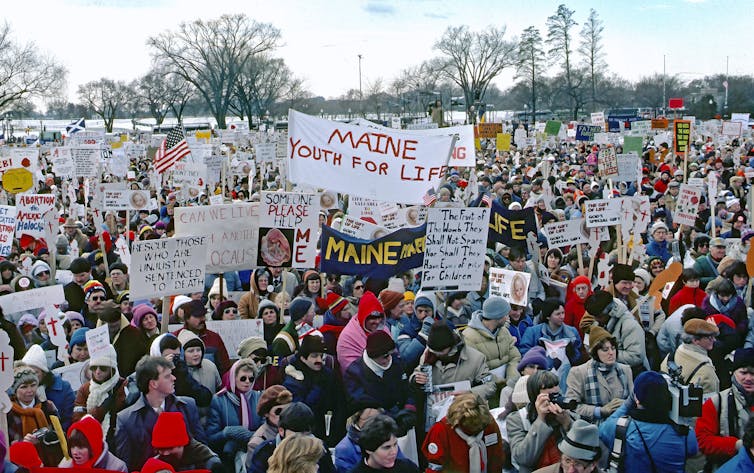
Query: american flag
172, 150
429, 198
487, 200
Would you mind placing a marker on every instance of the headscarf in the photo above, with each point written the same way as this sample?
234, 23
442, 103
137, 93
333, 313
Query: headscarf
236, 397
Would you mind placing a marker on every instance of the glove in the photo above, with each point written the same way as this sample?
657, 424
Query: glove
406, 420
236, 432
611, 407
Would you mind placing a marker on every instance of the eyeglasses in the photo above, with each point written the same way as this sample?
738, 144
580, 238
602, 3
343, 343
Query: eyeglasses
230, 310
99, 368
332, 278
244, 379
568, 461
360, 286
98, 298
259, 359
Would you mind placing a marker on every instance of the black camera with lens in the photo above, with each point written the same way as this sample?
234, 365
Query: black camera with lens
557, 398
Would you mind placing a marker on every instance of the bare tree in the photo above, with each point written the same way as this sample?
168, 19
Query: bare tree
105, 97
531, 63
264, 81
560, 40
155, 93
473, 59
591, 51
181, 92
212, 54
25, 73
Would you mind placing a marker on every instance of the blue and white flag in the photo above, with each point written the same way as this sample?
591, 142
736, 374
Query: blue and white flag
76, 126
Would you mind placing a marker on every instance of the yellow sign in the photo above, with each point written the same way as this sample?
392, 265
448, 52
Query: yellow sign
503, 142
116, 144
203, 135
17, 180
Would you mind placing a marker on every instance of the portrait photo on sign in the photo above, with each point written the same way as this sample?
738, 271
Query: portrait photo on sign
275, 246
328, 200
413, 216
139, 199
510, 285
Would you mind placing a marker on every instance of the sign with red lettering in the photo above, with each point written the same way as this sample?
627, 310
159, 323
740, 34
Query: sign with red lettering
30, 210
687, 206
288, 224
393, 166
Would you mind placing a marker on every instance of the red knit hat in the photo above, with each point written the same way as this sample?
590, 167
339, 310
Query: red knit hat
335, 302
154, 465
169, 431
25, 454
390, 299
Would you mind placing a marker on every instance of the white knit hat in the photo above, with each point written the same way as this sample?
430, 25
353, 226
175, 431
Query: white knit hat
35, 357
106, 357
179, 301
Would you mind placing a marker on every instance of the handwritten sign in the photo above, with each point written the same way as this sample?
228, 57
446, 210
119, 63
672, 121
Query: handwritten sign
86, 159
641, 127
681, 136
32, 299
288, 224
265, 152
7, 229
566, 233
687, 205
115, 197
607, 163
455, 248
97, 340
512, 286
233, 232
168, 266
629, 167
598, 119
30, 210
489, 130
6, 370
603, 212
731, 128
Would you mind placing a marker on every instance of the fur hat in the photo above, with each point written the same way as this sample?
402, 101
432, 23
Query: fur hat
311, 344
622, 272
597, 335
273, 396
700, 328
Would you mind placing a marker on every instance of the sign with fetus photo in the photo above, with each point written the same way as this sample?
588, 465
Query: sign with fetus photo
288, 229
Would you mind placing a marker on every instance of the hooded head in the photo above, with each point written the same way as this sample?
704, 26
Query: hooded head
368, 306
87, 433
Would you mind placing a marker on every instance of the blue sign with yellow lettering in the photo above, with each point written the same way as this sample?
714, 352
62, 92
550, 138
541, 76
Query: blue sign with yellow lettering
510, 227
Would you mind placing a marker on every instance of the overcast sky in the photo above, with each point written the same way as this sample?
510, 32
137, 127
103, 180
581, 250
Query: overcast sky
323, 38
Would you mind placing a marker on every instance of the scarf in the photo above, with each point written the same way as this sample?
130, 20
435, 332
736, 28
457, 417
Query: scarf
98, 394
477, 451
725, 309
375, 367
749, 398
593, 385
31, 418
237, 398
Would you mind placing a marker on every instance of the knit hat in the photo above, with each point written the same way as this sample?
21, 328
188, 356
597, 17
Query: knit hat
139, 312
80, 265
310, 275
154, 465
409, 296
179, 301
658, 226
298, 308
194, 309
582, 442
38, 267
250, 345
335, 302
91, 287
215, 289
264, 304
647, 384
298, 417
27, 319
169, 431
598, 302
743, 358
109, 312
622, 272
520, 395
77, 338
644, 275
189, 339
423, 300
379, 343
441, 336
535, 356
700, 328
390, 299
597, 335
123, 297
35, 356
105, 357
23, 375
495, 308
311, 344
220, 309
396, 285
25, 454
71, 316
275, 395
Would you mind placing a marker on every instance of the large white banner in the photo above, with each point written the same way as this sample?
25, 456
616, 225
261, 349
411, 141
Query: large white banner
389, 165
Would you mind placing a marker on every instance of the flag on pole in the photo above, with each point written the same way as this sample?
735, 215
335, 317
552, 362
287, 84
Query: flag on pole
76, 126
172, 149
429, 198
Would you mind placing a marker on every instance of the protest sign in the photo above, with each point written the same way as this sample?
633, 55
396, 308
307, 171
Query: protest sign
731, 128
512, 286
389, 165
681, 136
552, 127
116, 197
7, 229
54, 320
503, 142
76, 373
628, 167
742, 118
168, 266
361, 229
363, 207
566, 233
489, 130
659, 124
264, 152
233, 232
97, 340
633, 144
6, 370
641, 127
696, 182
602, 138
189, 174
86, 159
62, 162
30, 208
603, 212
380, 258
519, 136
598, 119
586, 132
288, 224
687, 205
455, 248
32, 299
510, 226
607, 163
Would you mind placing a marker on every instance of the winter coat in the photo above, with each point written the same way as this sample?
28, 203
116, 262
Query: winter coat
628, 333
690, 357
105, 460
735, 309
667, 448
707, 269
318, 390
518, 331
741, 463
610, 388
499, 348
207, 375
659, 250
541, 331
574, 306
717, 438
352, 341
224, 422
348, 452
364, 388
114, 403
133, 434
686, 295
669, 336
471, 366
527, 439
445, 450
61, 394
129, 344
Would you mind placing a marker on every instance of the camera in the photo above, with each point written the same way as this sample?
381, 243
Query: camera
40, 434
686, 400
557, 398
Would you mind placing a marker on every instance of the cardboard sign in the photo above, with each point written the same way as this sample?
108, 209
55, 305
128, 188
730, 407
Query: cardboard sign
7, 229
687, 205
607, 163
265, 152
77, 374
288, 224
598, 119
731, 129
62, 161
602, 212
455, 248
681, 136
233, 232
566, 233
97, 340
168, 266
6, 370
659, 123
641, 127
512, 286
388, 165
489, 130
552, 127
115, 197
696, 182
30, 210
629, 167
32, 299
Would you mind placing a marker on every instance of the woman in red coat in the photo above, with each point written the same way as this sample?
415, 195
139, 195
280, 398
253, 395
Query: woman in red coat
578, 290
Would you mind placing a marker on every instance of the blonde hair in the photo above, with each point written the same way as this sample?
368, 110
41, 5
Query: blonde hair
470, 412
282, 299
298, 453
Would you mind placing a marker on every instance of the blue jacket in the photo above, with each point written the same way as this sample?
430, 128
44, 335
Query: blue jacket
541, 331
348, 453
364, 388
668, 448
133, 432
519, 330
224, 423
659, 249
61, 394
741, 463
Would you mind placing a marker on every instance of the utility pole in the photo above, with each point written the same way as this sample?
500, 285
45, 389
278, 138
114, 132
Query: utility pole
663, 85
361, 95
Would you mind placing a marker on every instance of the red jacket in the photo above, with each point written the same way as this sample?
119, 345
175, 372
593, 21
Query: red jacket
711, 443
443, 447
686, 295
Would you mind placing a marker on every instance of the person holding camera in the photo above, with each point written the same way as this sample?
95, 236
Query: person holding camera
535, 430
602, 384
696, 366
650, 440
